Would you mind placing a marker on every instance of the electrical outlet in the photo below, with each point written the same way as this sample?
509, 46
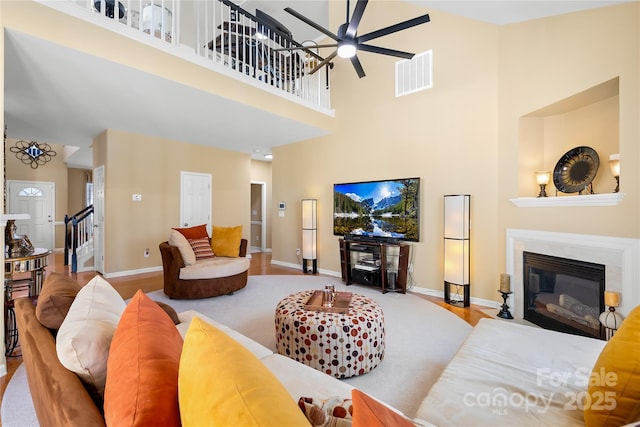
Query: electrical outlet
146, 253
297, 251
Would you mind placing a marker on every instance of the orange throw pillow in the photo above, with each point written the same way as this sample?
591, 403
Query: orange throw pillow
196, 232
368, 412
142, 370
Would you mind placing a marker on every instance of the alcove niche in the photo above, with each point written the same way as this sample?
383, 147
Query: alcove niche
589, 118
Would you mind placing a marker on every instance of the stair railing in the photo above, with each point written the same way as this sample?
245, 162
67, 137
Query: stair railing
79, 235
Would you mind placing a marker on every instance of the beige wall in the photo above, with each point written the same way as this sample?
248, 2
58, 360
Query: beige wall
139, 164
447, 136
463, 136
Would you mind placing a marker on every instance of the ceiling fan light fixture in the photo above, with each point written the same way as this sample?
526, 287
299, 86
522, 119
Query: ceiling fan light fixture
347, 50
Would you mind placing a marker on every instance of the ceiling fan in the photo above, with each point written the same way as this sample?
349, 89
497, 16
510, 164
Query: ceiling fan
348, 42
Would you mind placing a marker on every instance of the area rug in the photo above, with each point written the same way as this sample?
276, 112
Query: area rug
421, 337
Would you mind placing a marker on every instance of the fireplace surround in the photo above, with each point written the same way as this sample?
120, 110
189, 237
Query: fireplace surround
619, 255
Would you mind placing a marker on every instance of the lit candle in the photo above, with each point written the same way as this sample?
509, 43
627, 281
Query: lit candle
612, 299
505, 283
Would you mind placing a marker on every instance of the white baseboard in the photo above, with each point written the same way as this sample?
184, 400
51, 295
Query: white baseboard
440, 294
132, 272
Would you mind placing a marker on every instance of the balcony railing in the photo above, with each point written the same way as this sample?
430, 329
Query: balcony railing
227, 38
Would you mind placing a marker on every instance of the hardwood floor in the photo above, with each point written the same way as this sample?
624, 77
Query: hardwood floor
260, 265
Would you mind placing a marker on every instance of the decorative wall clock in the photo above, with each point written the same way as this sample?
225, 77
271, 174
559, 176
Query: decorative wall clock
576, 169
33, 153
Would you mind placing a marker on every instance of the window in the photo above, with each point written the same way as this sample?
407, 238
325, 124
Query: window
31, 192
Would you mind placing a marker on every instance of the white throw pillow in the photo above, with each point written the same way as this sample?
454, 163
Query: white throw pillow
178, 240
85, 335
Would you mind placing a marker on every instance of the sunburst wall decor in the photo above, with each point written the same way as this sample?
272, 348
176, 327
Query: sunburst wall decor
33, 153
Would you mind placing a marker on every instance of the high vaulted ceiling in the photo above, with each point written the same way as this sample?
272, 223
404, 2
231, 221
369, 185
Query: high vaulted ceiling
57, 95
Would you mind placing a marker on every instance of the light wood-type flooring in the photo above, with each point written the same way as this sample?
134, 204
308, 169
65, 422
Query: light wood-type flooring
260, 265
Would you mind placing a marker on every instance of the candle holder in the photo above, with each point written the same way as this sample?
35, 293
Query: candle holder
505, 313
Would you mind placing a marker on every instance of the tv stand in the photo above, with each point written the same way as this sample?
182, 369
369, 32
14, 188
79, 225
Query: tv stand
375, 263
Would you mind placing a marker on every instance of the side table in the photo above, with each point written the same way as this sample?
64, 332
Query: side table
33, 263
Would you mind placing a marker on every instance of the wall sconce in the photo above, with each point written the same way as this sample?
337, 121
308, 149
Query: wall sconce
457, 220
610, 319
542, 177
309, 235
614, 165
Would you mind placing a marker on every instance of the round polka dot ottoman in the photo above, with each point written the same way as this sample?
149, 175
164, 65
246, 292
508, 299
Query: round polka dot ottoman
339, 344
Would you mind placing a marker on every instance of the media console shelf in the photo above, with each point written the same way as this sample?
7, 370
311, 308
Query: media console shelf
379, 264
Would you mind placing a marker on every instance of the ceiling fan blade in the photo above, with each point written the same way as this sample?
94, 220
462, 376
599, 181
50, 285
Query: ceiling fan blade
358, 66
355, 18
324, 62
394, 28
385, 51
311, 23
307, 48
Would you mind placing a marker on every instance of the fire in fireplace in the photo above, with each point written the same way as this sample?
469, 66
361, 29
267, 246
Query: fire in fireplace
564, 295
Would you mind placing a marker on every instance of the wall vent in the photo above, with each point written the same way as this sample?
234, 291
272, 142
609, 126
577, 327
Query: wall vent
414, 75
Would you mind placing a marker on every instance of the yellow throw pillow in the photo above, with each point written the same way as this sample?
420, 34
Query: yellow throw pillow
221, 383
614, 385
225, 241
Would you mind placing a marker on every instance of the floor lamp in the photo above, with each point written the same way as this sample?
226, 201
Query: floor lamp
309, 235
457, 220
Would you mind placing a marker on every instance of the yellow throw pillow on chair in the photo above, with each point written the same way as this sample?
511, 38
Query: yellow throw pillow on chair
225, 241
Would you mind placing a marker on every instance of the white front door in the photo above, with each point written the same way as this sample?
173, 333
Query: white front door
38, 200
98, 219
195, 199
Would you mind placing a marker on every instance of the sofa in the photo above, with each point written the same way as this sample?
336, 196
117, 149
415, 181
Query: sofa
503, 374
507, 373
63, 397
220, 275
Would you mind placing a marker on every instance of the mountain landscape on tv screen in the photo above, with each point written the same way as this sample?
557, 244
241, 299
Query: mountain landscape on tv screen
378, 209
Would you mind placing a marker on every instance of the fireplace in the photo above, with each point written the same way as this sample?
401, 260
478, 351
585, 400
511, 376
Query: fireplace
562, 294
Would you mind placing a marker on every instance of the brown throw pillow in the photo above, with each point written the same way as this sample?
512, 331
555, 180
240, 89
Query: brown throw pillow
170, 311
57, 294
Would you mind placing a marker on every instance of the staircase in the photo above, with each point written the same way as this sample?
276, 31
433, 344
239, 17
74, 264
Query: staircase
78, 241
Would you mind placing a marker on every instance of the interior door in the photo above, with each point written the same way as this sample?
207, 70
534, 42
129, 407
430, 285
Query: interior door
98, 219
195, 199
38, 200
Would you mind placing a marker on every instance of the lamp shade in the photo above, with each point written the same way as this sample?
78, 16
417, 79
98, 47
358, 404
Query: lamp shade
456, 239
456, 217
611, 298
542, 177
309, 228
456, 265
614, 164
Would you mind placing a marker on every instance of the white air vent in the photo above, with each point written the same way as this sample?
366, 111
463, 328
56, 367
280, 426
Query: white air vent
415, 74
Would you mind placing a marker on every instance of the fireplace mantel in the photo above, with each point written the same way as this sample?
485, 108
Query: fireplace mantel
607, 199
619, 255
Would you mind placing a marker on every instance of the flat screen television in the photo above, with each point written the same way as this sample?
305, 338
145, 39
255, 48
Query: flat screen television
378, 209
